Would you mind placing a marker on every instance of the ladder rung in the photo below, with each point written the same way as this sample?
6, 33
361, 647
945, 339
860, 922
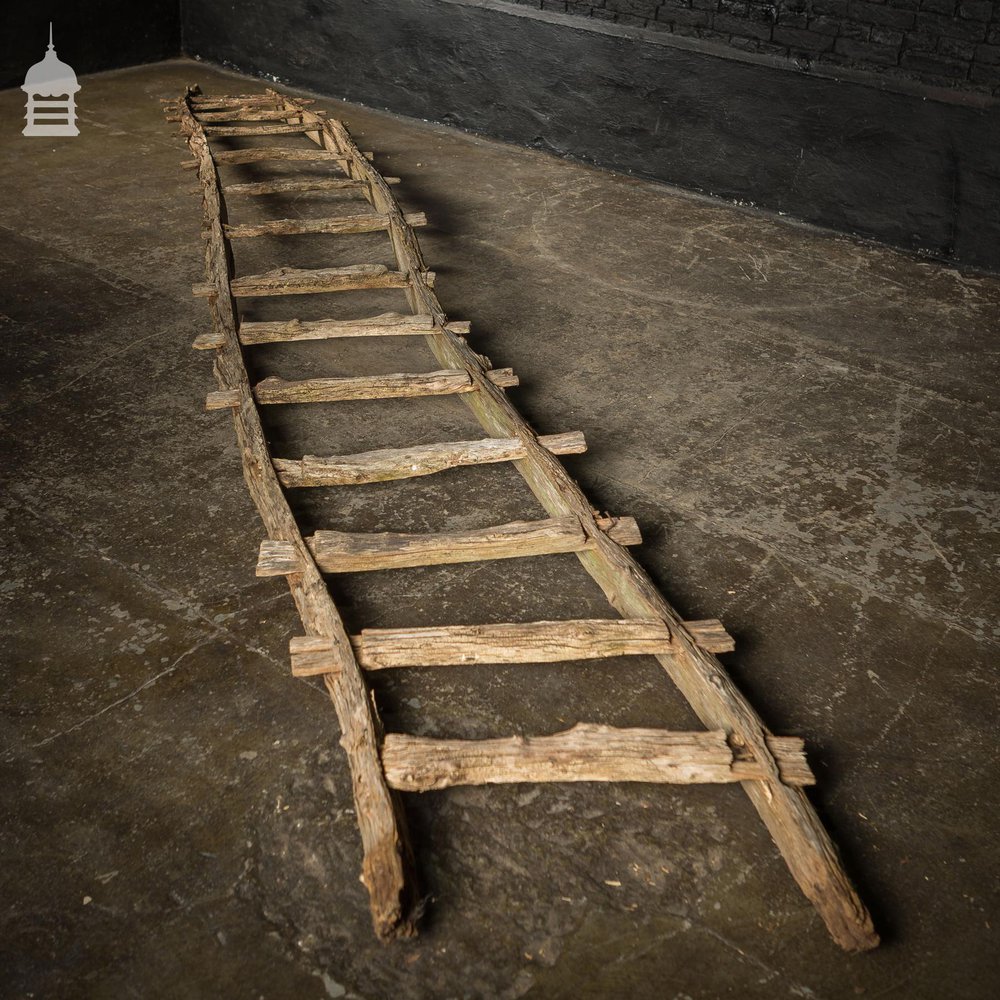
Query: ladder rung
307, 281
227, 100
584, 753
711, 635
419, 460
318, 184
244, 113
531, 642
395, 386
342, 552
388, 324
369, 222
232, 131
264, 154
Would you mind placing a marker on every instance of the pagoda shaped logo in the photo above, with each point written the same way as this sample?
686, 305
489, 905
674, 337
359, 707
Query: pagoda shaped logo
50, 86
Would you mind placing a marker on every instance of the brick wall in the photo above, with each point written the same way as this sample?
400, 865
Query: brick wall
952, 43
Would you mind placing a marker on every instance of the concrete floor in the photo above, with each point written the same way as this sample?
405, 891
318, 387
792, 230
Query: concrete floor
805, 428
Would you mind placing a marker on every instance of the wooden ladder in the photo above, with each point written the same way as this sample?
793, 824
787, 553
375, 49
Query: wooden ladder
735, 747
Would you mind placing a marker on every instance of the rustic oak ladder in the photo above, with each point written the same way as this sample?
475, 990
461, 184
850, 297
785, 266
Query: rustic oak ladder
736, 746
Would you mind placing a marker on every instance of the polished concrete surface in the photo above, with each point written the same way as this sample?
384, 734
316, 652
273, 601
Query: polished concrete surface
805, 427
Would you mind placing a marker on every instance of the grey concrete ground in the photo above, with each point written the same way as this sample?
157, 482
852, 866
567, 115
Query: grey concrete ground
805, 428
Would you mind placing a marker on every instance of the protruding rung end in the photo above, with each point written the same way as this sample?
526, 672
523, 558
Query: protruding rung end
623, 530
418, 460
584, 753
276, 390
203, 290
223, 399
369, 222
530, 642
312, 655
278, 558
710, 634
460, 327
343, 552
209, 341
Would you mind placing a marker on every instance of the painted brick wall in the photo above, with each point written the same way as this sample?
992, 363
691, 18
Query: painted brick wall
951, 43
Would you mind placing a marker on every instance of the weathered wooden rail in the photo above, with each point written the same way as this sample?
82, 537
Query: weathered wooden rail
735, 745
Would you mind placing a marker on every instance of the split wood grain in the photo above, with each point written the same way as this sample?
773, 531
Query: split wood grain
710, 634
584, 753
397, 385
389, 324
528, 642
292, 186
347, 552
234, 131
245, 113
278, 558
267, 154
309, 281
418, 460
804, 843
337, 225
387, 858
201, 101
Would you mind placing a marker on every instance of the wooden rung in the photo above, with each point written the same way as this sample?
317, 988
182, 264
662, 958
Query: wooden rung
228, 100
222, 399
343, 552
584, 753
388, 324
531, 642
419, 460
278, 558
291, 186
342, 224
243, 113
711, 635
395, 386
232, 131
623, 530
312, 655
264, 154
307, 281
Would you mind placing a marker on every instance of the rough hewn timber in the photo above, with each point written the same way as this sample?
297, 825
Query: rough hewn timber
387, 864
512, 642
803, 841
584, 753
418, 460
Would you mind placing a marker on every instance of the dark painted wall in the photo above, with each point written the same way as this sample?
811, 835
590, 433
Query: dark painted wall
90, 35
952, 43
919, 173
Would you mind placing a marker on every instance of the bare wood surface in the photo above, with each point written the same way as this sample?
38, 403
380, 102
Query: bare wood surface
418, 460
511, 642
388, 324
396, 385
244, 113
233, 131
711, 634
584, 753
198, 102
307, 281
383, 325
347, 552
803, 841
278, 558
265, 154
368, 222
386, 868
293, 186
